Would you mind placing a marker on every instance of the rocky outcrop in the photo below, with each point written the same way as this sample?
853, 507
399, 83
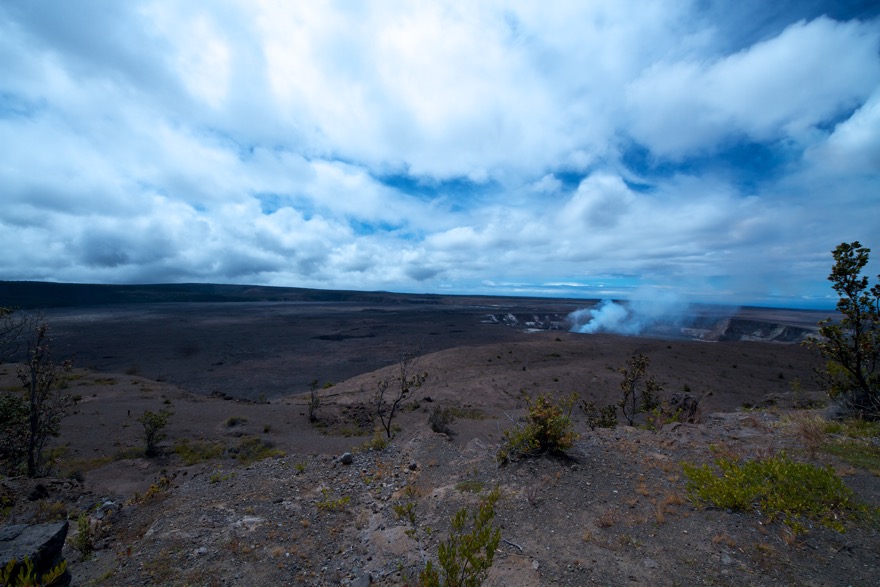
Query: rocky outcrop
529, 320
706, 328
41, 543
740, 329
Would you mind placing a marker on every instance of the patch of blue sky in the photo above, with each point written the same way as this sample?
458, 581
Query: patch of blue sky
362, 228
744, 23
570, 180
458, 191
271, 203
747, 164
227, 140
16, 106
845, 113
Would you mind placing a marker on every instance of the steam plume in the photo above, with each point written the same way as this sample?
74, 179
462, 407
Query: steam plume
647, 311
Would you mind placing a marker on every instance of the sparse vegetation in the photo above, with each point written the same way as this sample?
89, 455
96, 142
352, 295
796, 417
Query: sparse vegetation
405, 512
84, 539
853, 428
548, 430
604, 417
466, 556
467, 413
378, 442
252, 449
314, 401
440, 420
25, 575
858, 454
470, 485
808, 428
681, 407
778, 488
219, 476
28, 421
328, 504
640, 393
407, 379
154, 491
851, 346
12, 328
154, 426
192, 452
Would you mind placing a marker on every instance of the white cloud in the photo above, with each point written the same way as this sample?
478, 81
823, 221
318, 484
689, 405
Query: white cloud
777, 89
393, 145
854, 146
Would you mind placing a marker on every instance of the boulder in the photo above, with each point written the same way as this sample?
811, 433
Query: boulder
41, 543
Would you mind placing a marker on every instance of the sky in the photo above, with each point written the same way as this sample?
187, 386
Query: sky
715, 151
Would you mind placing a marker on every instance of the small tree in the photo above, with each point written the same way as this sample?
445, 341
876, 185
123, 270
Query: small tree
154, 425
12, 329
46, 405
314, 401
13, 433
639, 393
851, 346
400, 385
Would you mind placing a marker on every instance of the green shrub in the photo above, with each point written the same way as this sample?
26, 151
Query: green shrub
154, 423
84, 540
604, 417
252, 449
218, 476
327, 504
466, 556
781, 489
548, 430
406, 512
378, 442
440, 419
24, 575
198, 451
470, 485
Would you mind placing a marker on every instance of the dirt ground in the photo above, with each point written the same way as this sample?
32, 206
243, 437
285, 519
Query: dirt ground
614, 512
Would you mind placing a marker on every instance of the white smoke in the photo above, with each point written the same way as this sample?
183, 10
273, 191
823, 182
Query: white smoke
647, 311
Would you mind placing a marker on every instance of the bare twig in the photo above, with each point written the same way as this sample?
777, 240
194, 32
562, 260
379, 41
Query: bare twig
515, 423
517, 546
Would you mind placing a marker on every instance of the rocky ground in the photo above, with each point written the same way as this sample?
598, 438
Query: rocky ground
615, 511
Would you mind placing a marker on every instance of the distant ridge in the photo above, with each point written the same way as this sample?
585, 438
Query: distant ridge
39, 294
28, 295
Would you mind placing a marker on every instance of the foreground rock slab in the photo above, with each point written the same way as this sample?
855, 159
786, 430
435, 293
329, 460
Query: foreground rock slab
41, 543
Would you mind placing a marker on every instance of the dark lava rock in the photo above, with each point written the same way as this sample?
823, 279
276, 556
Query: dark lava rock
41, 543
